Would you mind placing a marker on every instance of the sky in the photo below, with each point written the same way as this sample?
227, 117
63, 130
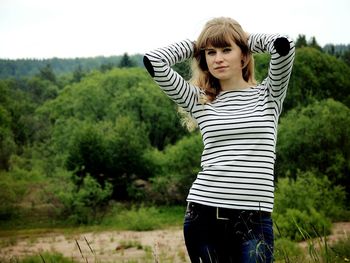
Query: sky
87, 28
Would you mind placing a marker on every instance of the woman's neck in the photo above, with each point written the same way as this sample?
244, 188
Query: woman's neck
234, 84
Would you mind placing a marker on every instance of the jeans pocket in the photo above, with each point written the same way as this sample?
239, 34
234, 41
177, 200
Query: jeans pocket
191, 214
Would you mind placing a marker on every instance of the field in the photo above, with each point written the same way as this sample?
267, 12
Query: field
165, 245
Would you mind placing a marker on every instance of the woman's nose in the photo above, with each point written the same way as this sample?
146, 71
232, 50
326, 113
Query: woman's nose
218, 57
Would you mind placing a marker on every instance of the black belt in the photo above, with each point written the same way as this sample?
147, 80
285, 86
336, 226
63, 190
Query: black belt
229, 214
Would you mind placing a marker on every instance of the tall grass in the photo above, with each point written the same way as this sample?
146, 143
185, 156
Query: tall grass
313, 250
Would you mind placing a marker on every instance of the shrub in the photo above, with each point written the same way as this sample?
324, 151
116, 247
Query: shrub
309, 192
176, 168
86, 204
300, 225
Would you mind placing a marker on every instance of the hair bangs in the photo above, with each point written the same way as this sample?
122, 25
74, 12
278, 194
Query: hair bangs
219, 37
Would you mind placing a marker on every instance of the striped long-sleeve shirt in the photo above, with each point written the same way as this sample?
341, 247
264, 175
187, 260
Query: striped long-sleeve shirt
238, 128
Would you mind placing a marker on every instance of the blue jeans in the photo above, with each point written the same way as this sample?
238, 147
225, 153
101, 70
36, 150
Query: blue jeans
227, 235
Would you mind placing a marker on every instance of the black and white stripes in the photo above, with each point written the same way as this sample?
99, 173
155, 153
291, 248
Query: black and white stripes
239, 128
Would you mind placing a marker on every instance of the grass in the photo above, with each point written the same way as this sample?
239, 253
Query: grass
120, 217
316, 250
40, 258
144, 218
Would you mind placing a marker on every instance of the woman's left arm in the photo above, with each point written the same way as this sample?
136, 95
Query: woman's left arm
282, 51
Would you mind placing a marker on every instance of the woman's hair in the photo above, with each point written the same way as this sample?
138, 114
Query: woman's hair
218, 33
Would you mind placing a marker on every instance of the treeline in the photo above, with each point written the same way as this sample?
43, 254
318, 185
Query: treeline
71, 145
20, 68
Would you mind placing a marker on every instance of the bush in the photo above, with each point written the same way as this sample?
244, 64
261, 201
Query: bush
86, 204
301, 225
309, 192
175, 169
304, 207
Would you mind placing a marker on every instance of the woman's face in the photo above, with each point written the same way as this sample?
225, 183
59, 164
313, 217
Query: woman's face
224, 63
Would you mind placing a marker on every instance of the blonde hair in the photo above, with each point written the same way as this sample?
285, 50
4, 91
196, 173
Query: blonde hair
217, 32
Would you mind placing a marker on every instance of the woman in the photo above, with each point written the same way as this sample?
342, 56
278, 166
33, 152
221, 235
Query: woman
228, 217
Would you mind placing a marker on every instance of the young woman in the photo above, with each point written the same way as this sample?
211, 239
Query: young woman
228, 217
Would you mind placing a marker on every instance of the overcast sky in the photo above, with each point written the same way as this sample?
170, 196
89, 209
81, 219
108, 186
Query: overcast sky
87, 28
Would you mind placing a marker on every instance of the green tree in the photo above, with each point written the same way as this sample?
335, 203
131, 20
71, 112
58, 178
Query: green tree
126, 62
78, 74
317, 76
109, 153
316, 138
175, 169
313, 43
184, 69
47, 73
301, 41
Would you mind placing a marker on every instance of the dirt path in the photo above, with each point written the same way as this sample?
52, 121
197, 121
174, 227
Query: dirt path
114, 246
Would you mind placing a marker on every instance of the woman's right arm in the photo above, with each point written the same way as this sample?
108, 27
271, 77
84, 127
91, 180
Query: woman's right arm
158, 63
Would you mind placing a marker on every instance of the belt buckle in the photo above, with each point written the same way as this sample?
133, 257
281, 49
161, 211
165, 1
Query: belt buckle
218, 216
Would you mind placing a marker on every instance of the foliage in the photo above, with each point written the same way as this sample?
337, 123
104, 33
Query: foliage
320, 141
20, 68
86, 203
126, 62
301, 225
10, 195
108, 152
320, 194
66, 137
302, 212
317, 76
175, 169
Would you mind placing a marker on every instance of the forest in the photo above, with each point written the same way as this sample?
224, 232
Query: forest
76, 143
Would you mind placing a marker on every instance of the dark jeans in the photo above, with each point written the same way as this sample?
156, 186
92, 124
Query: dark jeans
227, 235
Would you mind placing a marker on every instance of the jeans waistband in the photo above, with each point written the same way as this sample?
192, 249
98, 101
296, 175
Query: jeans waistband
228, 213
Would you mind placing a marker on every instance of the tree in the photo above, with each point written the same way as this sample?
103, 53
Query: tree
313, 43
126, 62
47, 73
301, 41
175, 168
317, 76
78, 74
184, 69
316, 138
109, 153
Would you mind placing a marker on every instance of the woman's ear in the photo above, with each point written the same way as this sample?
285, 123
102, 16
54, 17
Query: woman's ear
244, 61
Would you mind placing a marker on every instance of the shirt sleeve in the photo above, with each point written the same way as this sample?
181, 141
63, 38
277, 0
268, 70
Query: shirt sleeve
282, 52
158, 63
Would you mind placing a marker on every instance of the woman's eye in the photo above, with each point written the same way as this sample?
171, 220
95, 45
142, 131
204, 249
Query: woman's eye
211, 52
227, 50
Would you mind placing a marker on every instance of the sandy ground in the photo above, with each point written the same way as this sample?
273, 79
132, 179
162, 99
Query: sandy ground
113, 246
